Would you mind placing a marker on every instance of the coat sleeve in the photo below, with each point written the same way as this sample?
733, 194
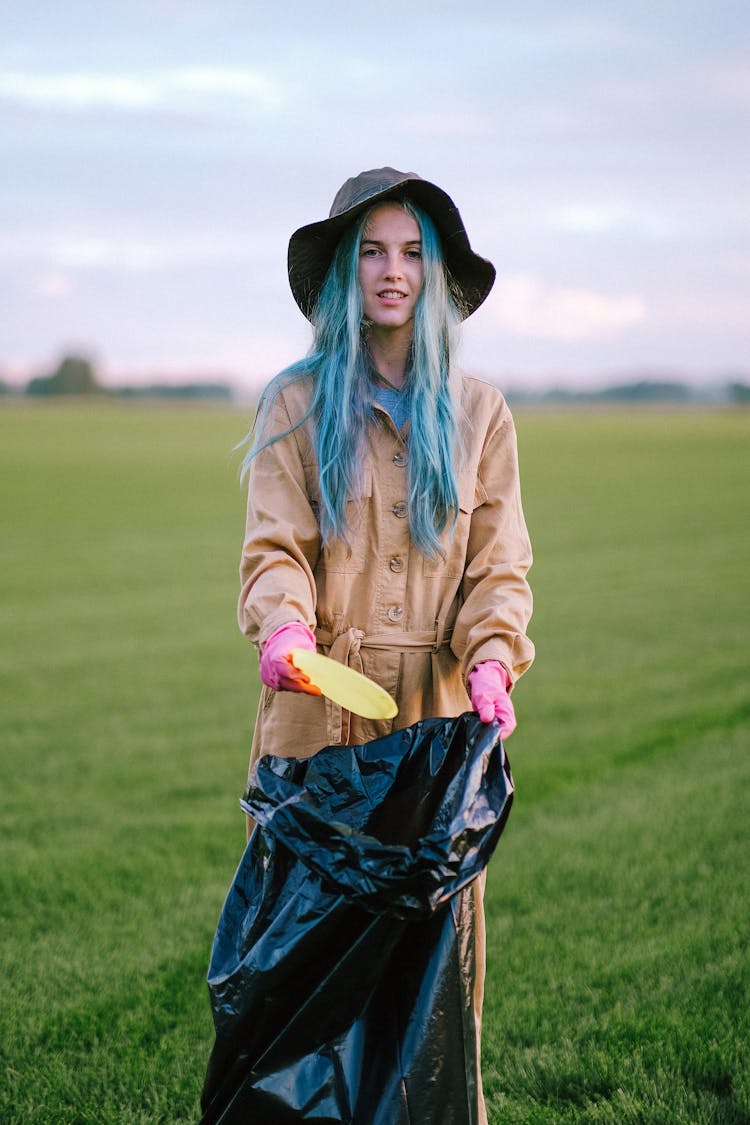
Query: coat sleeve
496, 600
282, 540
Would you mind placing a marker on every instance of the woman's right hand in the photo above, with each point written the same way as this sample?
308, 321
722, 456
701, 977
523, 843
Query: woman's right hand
276, 668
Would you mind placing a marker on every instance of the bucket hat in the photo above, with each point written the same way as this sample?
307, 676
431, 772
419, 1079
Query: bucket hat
311, 248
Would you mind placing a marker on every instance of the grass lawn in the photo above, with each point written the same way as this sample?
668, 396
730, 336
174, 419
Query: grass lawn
618, 979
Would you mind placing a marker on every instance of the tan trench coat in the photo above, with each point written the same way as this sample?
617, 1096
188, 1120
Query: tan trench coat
415, 626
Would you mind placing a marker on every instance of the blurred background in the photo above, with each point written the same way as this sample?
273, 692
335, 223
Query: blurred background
157, 155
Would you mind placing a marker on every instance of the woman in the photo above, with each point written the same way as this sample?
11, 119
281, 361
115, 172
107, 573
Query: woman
384, 522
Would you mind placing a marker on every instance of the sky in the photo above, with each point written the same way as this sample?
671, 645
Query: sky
157, 155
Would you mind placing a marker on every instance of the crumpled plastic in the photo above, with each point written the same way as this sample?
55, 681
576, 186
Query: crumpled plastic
343, 968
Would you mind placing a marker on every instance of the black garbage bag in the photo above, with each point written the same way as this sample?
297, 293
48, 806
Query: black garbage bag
343, 967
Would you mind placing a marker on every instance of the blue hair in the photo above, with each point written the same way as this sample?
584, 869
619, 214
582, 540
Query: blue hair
341, 406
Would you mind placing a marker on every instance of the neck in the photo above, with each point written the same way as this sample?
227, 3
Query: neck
390, 352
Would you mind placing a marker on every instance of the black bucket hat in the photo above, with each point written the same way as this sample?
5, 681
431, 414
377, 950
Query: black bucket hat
311, 248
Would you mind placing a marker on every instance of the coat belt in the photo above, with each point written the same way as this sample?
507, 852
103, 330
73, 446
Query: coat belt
342, 646
346, 649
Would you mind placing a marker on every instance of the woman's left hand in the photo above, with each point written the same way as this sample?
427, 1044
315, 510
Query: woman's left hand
489, 683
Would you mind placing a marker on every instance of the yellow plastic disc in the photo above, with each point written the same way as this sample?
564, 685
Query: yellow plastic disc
344, 686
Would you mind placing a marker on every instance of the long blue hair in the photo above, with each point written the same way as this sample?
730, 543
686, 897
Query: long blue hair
341, 406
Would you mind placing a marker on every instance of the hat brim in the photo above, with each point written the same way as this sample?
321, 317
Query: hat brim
311, 248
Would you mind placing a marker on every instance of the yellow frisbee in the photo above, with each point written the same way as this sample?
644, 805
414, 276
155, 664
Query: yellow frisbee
344, 686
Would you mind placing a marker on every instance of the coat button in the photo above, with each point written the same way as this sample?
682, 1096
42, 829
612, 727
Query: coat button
396, 564
400, 459
399, 510
395, 613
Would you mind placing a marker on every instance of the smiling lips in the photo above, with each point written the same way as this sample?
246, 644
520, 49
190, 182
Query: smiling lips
391, 295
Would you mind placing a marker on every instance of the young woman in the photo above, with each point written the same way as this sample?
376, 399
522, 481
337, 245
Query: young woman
384, 520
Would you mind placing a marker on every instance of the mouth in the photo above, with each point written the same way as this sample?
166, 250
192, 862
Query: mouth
391, 295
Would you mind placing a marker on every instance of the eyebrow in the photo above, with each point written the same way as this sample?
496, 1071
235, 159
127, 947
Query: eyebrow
379, 242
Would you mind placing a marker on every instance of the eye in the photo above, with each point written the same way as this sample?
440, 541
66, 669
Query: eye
414, 255
368, 252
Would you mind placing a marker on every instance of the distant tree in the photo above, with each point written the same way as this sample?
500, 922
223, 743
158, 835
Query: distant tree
739, 393
218, 391
39, 385
646, 390
74, 375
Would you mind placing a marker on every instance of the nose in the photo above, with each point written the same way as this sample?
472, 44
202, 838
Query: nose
393, 266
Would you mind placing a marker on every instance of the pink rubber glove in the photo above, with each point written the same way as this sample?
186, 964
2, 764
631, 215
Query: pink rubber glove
489, 684
276, 668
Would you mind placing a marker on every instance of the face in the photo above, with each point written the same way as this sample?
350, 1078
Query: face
390, 268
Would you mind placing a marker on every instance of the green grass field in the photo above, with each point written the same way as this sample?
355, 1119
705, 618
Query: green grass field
619, 976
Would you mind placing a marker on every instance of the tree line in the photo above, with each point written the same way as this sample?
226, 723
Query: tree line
76, 375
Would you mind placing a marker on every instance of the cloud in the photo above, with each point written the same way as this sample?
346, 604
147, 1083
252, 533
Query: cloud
525, 308
603, 218
452, 123
141, 91
54, 286
733, 83
82, 250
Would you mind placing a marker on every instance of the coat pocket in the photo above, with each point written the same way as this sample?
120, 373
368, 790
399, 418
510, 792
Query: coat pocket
349, 556
471, 494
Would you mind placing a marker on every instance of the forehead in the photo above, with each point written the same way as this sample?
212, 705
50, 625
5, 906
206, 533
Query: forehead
390, 222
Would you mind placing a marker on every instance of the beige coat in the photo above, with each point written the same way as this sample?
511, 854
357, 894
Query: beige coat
415, 626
